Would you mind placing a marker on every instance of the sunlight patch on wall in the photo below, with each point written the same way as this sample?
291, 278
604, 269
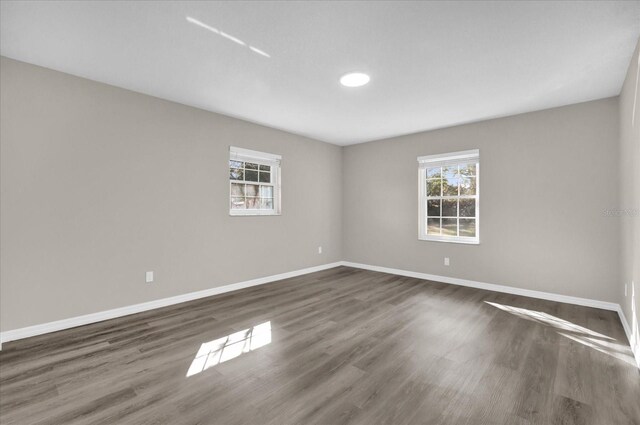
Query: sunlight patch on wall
635, 330
635, 94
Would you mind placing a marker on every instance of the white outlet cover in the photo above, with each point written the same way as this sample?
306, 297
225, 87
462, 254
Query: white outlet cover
149, 277
319, 250
446, 261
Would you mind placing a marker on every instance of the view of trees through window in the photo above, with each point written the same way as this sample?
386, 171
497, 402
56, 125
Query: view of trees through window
451, 200
252, 186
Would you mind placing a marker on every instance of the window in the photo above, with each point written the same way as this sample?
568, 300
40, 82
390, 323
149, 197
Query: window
449, 197
254, 182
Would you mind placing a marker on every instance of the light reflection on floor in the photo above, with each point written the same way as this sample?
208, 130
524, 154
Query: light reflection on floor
229, 347
584, 336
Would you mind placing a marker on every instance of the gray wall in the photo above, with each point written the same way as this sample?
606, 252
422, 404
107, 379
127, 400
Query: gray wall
100, 184
546, 179
630, 196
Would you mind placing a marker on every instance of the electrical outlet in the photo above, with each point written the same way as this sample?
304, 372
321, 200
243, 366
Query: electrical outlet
319, 250
446, 261
625, 289
149, 277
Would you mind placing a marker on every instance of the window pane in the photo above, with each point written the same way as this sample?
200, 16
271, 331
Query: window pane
467, 207
237, 203
265, 177
251, 190
449, 207
253, 203
433, 208
468, 186
266, 191
266, 203
251, 176
450, 172
450, 187
433, 187
450, 198
467, 227
433, 226
235, 173
237, 189
434, 173
450, 226
468, 169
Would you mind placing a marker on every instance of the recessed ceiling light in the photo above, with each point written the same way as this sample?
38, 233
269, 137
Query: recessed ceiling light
354, 79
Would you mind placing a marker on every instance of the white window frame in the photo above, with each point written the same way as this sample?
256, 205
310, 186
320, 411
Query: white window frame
441, 160
261, 158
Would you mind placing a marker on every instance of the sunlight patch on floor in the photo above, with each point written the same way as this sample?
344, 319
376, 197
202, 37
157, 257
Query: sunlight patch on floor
577, 333
547, 319
229, 347
618, 351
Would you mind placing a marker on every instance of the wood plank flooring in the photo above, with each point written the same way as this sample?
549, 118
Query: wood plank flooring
341, 346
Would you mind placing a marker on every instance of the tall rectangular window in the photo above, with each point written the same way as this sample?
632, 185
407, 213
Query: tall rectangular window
254, 182
449, 197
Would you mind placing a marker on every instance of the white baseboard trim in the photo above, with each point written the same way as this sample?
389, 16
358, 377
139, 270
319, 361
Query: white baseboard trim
634, 344
73, 322
625, 324
491, 287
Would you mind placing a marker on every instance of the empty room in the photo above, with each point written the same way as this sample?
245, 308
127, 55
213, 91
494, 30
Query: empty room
320, 212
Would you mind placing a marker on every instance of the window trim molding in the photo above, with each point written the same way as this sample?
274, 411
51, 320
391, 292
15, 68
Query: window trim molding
449, 157
431, 160
263, 158
248, 155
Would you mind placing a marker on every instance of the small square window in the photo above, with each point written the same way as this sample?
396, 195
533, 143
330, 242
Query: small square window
254, 182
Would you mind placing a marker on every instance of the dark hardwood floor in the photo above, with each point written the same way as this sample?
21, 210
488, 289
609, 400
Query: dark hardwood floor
342, 346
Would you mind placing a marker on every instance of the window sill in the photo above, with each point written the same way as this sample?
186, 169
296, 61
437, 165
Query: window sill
246, 213
463, 241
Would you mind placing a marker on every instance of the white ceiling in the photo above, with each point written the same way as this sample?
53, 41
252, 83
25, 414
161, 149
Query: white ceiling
432, 64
